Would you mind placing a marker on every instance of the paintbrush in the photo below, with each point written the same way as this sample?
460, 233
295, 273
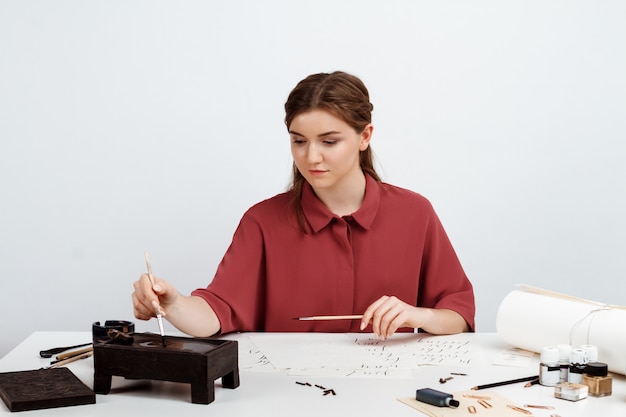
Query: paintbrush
56, 364
159, 316
68, 355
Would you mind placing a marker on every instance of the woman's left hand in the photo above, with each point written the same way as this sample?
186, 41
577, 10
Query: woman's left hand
388, 314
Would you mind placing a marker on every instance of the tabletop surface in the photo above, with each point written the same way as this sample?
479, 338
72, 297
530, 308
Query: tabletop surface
289, 374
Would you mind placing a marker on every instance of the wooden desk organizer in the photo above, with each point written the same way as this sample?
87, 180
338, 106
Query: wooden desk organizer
197, 361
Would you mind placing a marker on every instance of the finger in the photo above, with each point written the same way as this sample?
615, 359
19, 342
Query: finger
159, 287
140, 310
369, 312
392, 320
145, 292
144, 298
378, 325
385, 319
164, 294
157, 308
385, 316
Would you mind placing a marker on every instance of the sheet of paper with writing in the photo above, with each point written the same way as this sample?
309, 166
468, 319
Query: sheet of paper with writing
250, 357
336, 354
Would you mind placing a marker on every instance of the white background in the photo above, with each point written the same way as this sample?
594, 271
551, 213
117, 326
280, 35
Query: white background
128, 126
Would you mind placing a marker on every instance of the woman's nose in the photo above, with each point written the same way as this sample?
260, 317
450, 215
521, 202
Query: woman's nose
314, 154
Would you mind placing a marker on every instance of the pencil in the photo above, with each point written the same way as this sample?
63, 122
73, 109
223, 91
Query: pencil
349, 317
499, 384
158, 311
531, 383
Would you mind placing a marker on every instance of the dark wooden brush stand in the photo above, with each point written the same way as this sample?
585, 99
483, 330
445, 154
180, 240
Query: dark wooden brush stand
197, 361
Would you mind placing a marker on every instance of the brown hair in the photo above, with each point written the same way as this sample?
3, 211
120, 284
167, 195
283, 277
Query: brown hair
343, 95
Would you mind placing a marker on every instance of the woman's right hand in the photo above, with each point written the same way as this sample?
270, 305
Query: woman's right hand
149, 299
189, 314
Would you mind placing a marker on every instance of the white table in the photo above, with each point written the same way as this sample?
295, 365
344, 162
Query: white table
275, 393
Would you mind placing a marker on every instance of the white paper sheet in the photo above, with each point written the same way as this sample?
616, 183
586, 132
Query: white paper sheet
531, 318
515, 357
337, 354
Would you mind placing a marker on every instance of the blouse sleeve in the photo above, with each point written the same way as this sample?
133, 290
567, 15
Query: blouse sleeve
236, 293
443, 281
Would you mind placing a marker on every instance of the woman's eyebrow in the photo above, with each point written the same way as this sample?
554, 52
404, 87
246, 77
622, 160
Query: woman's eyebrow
331, 132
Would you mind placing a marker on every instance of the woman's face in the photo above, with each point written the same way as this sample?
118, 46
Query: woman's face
326, 149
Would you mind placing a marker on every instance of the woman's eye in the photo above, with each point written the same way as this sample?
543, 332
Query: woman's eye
297, 141
330, 141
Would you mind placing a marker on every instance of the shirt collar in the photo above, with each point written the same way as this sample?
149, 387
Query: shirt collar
318, 215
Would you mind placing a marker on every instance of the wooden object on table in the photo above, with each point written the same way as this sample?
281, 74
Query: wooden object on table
43, 388
197, 361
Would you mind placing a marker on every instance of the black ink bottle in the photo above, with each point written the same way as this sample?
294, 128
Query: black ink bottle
434, 397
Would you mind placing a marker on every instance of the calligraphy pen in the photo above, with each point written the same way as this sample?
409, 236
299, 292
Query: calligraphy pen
159, 316
349, 317
51, 352
62, 362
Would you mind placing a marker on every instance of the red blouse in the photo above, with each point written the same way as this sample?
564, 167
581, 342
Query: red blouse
393, 245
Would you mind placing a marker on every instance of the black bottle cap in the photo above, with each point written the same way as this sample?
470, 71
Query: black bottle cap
596, 369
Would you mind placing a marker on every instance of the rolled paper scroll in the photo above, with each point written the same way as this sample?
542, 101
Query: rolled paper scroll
531, 318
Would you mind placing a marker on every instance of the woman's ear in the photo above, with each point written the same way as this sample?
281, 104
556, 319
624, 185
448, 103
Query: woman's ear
366, 136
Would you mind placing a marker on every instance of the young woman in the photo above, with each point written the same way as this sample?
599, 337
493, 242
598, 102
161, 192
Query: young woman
338, 242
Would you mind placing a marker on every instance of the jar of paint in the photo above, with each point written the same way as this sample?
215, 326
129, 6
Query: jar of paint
578, 362
597, 378
549, 368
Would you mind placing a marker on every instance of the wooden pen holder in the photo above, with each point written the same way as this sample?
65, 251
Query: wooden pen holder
197, 361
